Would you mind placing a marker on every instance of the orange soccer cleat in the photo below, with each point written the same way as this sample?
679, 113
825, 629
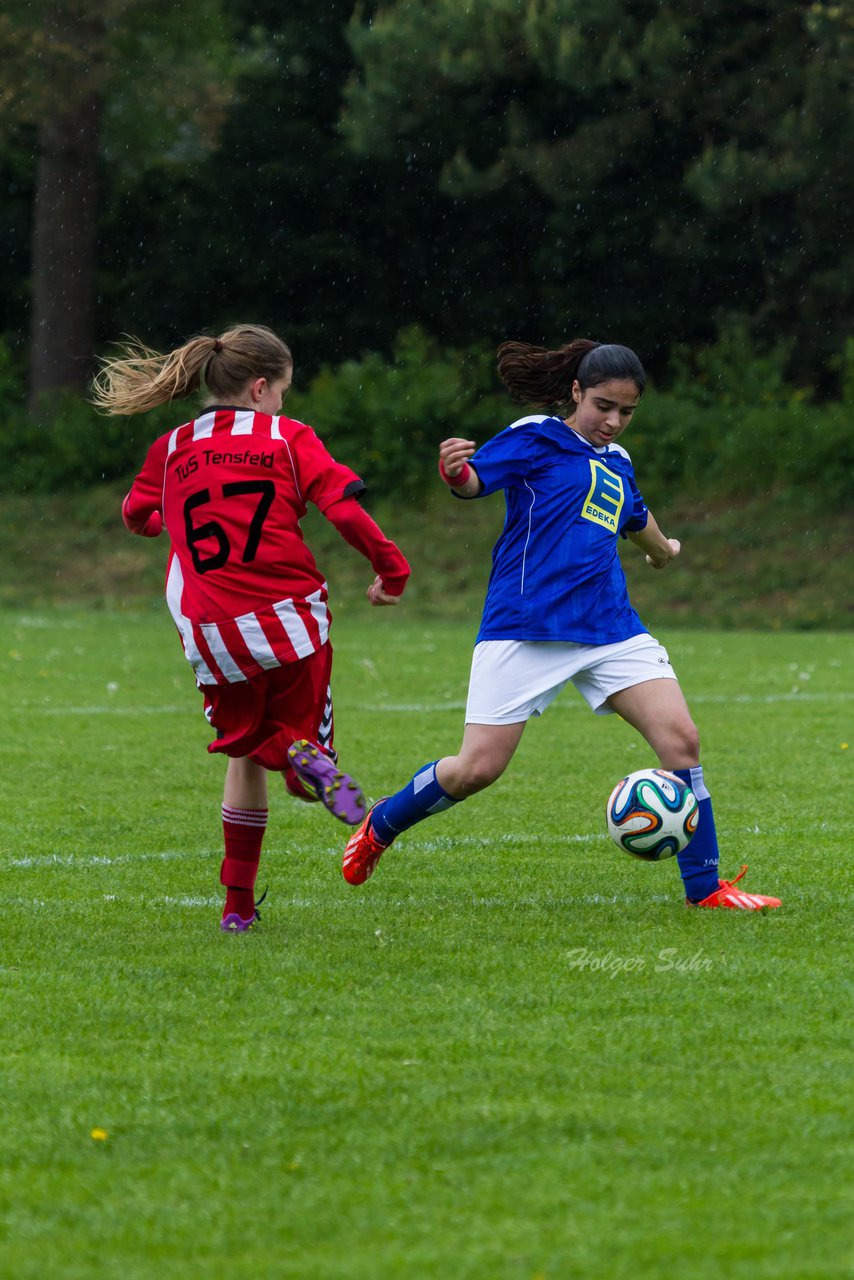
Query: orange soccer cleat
726, 895
362, 852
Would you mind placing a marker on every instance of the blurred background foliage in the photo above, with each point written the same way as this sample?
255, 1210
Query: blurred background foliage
397, 187
728, 422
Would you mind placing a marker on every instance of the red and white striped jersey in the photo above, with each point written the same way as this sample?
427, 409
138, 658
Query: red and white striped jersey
242, 586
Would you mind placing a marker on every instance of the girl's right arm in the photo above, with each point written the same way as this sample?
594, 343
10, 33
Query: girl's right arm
141, 509
454, 468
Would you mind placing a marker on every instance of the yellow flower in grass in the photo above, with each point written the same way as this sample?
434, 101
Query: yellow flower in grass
99, 1135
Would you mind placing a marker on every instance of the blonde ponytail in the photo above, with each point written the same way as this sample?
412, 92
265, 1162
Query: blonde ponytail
138, 379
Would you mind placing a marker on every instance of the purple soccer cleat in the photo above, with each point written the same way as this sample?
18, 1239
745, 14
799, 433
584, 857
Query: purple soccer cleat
320, 775
233, 923
236, 924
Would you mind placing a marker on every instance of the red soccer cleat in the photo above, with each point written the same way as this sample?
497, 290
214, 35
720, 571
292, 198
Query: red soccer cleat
726, 895
362, 852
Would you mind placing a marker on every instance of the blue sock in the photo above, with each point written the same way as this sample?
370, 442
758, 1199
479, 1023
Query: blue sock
698, 864
421, 797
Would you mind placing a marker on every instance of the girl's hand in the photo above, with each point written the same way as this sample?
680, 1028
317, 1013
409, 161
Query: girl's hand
378, 595
455, 453
153, 526
659, 561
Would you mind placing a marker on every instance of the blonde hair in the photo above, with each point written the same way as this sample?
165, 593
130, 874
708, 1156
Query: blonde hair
139, 379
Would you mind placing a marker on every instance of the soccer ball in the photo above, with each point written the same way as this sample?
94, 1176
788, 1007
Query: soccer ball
652, 814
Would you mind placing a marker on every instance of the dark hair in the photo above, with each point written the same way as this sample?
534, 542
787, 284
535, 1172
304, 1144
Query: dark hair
537, 376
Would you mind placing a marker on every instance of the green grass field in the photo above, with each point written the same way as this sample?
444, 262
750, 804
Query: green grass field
512, 1055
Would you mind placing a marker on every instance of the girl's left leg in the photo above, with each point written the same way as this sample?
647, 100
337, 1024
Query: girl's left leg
659, 712
485, 752
244, 821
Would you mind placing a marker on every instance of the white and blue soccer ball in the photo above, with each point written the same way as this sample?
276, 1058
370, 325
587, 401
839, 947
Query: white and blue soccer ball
652, 814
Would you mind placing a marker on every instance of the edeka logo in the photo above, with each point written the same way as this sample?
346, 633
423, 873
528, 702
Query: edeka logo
605, 498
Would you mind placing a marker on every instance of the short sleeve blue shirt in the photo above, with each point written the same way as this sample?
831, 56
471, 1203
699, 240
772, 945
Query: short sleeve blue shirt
556, 574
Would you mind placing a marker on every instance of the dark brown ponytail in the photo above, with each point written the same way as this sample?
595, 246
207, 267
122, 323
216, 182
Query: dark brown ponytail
540, 377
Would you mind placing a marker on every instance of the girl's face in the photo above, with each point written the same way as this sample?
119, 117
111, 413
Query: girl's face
602, 413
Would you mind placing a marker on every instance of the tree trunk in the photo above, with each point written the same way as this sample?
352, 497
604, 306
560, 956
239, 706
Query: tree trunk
64, 234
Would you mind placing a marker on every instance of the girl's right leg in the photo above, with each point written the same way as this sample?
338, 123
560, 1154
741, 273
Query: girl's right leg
485, 752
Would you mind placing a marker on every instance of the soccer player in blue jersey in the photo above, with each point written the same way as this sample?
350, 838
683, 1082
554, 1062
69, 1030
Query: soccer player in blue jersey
557, 607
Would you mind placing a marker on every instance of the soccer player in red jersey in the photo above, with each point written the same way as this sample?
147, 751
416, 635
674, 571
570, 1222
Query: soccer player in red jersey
231, 487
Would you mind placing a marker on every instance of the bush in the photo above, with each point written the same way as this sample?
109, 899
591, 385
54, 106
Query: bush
729, 424
386, 418
735, 371
67, 445
740, 452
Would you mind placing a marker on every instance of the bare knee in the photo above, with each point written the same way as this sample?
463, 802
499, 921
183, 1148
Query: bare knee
680, 745
464, 776
485, 753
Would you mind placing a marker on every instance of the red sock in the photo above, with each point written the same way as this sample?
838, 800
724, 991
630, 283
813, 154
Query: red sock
243, 830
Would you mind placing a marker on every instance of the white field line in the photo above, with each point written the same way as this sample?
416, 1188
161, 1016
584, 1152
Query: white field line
278, 906
107, 710
102, 859
355, 901
51, 624
333, 903
440, 845
741, 699
749, 699
276, 848
189, 900
428, 708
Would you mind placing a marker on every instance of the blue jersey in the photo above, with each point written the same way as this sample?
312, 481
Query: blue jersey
556, 574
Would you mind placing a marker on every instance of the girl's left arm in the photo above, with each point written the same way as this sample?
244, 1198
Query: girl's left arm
659, 550
386, 559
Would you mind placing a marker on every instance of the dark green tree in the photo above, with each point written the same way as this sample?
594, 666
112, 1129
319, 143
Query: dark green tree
85, 80
285, 222
269, 225
684, 160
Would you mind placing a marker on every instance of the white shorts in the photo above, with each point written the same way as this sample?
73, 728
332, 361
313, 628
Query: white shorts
513, 680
